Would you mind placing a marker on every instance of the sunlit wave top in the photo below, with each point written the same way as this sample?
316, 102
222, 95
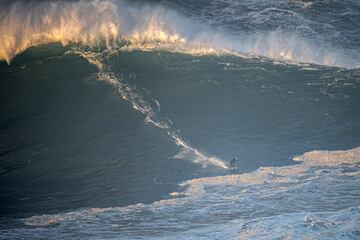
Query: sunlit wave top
143, 27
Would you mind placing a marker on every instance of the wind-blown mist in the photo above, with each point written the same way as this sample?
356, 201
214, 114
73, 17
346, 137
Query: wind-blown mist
118, 24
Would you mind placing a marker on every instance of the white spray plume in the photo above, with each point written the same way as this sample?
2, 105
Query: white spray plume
117, 23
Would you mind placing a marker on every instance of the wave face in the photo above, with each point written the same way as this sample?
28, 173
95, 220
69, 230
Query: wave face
101, 172
152, 113
120, 119
147, 27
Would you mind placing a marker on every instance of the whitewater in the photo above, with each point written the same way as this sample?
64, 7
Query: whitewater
120, 118
232, 207
117, 24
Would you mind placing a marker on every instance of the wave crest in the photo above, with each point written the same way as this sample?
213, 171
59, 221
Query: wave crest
147, 27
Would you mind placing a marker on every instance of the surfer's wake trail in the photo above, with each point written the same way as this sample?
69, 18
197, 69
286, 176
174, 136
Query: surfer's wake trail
152, 114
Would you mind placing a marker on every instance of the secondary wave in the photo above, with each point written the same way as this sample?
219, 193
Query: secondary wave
119, 24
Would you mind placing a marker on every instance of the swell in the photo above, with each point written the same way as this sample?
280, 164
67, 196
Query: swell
124, 26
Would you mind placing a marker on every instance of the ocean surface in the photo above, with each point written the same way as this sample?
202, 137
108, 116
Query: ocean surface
119, 119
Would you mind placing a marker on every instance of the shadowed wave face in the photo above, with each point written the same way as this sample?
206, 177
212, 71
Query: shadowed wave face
120, 119
144, 26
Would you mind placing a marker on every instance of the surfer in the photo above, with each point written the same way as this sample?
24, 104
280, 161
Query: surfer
233, 163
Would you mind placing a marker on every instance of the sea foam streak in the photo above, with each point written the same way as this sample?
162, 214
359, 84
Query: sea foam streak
312, 197
152, 113
128, 26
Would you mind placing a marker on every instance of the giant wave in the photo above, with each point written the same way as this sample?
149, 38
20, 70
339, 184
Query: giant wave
124, 26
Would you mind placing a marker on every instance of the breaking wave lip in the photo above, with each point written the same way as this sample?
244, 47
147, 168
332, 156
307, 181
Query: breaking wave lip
125, 26
196, 188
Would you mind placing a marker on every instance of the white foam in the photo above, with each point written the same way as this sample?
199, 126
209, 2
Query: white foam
44, 220
330, 157
266, 175
118, 24
248, 205
190, 153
